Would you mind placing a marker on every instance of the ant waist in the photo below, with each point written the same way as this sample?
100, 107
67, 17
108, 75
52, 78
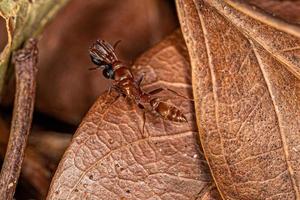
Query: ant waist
117, 65
121, 72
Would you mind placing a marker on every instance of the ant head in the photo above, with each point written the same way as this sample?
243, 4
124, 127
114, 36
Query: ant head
103, 55
108, 72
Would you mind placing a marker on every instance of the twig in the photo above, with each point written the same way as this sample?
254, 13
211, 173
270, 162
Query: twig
25, 61
35, 168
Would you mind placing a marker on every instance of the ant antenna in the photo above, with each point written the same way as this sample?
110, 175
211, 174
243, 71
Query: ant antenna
116, 44
93, 68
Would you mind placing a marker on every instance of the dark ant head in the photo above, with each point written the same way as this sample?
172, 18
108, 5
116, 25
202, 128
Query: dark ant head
108, 72
103, 55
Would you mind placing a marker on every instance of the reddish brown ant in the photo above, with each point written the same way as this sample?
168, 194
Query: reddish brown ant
103, 55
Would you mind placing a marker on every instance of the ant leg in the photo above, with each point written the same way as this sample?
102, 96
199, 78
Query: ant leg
139, 82
93, 68
158, 90
109, 92
144, 122
155, 91
180, 95
144, 117
97, 67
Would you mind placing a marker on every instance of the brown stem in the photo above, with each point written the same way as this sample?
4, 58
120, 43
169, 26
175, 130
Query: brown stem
35, 168
25, 61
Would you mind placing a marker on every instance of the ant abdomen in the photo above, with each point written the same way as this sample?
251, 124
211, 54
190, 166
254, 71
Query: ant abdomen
167, 111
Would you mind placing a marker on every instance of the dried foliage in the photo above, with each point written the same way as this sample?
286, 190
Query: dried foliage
246, 87
239, 63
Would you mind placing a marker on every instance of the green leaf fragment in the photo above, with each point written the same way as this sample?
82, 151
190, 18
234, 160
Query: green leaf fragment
24, 19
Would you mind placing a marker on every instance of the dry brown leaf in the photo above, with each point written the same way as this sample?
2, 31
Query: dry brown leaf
288, 10
247, 97
110, 158
211, 193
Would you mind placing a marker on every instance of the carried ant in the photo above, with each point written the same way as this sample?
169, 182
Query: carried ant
103, 55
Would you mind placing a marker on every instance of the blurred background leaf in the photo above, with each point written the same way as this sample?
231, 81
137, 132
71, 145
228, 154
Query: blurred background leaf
65, 88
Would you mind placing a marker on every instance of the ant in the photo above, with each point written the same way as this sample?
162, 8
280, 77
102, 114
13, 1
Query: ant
103, 55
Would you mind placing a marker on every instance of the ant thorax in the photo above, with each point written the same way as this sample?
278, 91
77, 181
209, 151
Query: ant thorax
122, 73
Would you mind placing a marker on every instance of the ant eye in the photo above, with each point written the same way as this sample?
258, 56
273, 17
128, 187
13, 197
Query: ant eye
108, 73
96, 61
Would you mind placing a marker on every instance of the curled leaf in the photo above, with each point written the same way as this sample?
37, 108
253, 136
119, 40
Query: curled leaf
245, 68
